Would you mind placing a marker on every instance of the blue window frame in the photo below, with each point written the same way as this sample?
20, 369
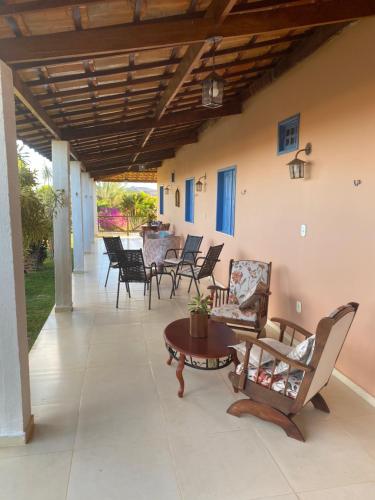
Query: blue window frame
161, 200
288, 134
226, 200
189, 200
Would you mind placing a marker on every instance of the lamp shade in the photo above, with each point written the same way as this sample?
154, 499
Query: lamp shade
297, 168
199, 186
213, 91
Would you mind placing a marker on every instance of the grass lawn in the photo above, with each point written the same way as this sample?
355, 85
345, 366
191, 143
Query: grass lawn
40, 298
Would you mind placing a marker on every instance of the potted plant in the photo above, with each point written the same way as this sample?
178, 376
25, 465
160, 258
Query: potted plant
199, 308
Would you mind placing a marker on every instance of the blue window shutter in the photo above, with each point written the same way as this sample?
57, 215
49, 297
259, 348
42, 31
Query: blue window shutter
161, 200
288, 135
189, 200
226, 199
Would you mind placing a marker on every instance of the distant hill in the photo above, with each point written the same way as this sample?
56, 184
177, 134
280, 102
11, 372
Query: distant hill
145, 189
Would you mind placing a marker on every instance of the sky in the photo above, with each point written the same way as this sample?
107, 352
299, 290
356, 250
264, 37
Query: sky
37, 163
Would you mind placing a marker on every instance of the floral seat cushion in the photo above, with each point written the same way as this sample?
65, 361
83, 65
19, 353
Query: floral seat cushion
232, 311
293, 381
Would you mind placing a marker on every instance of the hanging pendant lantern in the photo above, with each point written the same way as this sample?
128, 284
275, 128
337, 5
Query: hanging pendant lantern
213, 85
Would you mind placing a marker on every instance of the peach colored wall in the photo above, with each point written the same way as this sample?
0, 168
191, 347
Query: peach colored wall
334, 90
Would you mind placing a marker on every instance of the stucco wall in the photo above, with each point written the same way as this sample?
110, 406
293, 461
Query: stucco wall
334, 90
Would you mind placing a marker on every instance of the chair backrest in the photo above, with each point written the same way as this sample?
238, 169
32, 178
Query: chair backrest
210, 261
113, 245
191, 247
154, 250
331, 333
132, 266
244, 275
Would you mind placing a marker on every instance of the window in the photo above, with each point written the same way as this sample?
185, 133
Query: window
288, 135
189, 200
161, 200
226, 200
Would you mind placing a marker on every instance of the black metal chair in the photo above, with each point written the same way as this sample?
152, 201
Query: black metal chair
196, 271
186, 254
113, 245
132, 269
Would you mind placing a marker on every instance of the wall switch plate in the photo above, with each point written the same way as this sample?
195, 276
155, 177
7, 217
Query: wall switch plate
299, 306
303, 230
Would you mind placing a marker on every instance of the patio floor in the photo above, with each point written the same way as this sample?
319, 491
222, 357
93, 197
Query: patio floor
109, 425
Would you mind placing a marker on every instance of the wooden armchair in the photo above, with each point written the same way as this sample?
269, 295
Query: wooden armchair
243, 274
277, 398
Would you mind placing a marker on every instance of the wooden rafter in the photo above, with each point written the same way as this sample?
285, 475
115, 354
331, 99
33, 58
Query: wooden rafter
144, 124
179, 32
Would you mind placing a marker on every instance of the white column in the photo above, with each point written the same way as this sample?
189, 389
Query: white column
61, 228
77, 216
86, 212
95, 209
16, 421
91, 212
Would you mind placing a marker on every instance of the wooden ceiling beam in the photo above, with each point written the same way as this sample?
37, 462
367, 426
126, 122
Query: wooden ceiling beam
157, 146
144, 124
126, 168
122, 167
168, 33
144, 158
157, 64
33, 6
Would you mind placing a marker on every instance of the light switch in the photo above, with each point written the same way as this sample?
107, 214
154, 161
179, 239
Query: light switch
303, 230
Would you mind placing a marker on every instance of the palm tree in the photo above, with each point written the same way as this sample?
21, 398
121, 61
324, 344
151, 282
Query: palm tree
46, 174
109, 194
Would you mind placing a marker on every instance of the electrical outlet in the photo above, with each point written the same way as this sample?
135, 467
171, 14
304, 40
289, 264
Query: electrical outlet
303, 230
299, 306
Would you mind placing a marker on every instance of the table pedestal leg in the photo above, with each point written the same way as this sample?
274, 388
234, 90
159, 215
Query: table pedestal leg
180, 367
169, 361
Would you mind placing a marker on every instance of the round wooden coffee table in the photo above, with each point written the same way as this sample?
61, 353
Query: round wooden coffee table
211, 353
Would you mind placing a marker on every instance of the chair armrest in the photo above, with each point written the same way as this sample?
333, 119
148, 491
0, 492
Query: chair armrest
175, 250
284, 323
250, 340
217, 287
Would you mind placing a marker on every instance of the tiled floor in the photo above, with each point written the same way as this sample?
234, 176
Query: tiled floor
109, 425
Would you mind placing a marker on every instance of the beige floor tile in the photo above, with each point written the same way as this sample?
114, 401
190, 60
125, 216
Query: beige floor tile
139, 472
116, 333
35, 477
364, 491
130, 352
55, 430
363, 430
56, 386
330, 457
59, 356
226, 465
289, 496
119, 405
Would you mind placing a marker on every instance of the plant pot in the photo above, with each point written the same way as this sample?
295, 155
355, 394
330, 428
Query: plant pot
198, 325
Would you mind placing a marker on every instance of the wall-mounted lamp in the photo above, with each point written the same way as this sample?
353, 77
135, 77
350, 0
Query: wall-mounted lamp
297, 166
357, 182
167, 189
199, 183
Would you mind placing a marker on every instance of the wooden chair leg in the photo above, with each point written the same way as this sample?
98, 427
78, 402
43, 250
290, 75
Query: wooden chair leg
319, 403
265, 412
106, 280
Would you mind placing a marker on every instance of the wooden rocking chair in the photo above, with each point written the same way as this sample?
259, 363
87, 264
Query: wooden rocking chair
243, 275
278, 398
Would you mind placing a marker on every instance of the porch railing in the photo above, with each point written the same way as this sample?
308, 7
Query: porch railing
120, 223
